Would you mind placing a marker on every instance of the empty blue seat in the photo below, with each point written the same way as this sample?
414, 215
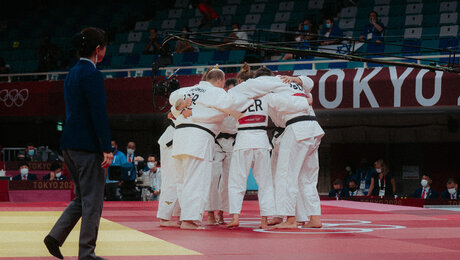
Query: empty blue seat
177, 58
132, 60
337, 65
411, 47
302, 67
448, 43
190, 57
220, 56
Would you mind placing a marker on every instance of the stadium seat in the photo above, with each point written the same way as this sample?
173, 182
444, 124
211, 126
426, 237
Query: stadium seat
168, 24
181, 3
229, 10
301, 67
175, 13
204, 57
448, 18
430, 20
286, 6
220, 57
147, 60
132, 60
411, 47
252, 19
236, 56
414, 20
338, 65
382, 10
449, 7
415, 8
354, 64
190, 57
448, 31
126, 48
349, 12
134, 36
381, 2
257, 8
142, 26
194, 22
117, 62
282, 17
315, 4
347, 23
413, 33
177, 58
233, 2
448, 43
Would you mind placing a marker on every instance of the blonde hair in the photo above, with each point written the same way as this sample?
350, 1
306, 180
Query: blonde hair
245, 72
382, 163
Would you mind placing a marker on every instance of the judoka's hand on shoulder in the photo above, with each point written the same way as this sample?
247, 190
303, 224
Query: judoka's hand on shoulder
186, 113
291, 79
182, 104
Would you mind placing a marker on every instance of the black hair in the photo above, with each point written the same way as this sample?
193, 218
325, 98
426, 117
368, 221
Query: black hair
376, 14
353, 180
428, 175
338, 182
55, 165
29, 144
263, 71
229, 82
451, 180
88, 39
153, 155
23, 164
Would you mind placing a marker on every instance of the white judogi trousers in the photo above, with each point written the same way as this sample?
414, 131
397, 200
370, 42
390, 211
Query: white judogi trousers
296, 176
168, 205
213, 201
241, 163
193, 184
223, 184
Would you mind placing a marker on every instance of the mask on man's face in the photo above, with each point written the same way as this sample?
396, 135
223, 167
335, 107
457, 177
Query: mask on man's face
378, 170
424, 183
151, 165
130, 151
328, 25
58, 174
24, 171
306, 27
452, 191
31, 152
113, 148
348, 169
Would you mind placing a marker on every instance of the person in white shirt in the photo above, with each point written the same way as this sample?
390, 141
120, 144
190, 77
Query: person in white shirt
239, 36
167, 205
353, 189
194, 141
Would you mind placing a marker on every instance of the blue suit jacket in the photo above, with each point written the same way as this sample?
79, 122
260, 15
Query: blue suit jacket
30, 177
87, 124
446, 195
418, 194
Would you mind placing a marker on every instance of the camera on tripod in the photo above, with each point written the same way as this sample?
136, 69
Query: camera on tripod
164, 87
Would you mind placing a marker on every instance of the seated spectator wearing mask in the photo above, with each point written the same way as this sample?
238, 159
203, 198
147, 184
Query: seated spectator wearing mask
154, 44
363, 176
338, 191
452, 190
182, 46
373, 31
425, 192
353, 189
330, 33
29, 154
154, 175
348, 175
303, 39
112, 189
119, 157
382, 184
24, 173
55, 174
131, 156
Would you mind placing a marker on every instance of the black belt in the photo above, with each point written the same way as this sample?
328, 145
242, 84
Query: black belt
253, 128
196, 126
168, 144
300, 118
225, 136
279, 131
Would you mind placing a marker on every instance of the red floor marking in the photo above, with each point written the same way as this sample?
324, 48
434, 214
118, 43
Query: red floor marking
352, 230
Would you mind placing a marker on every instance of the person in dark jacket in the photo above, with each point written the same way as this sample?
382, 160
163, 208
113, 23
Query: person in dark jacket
24, 173
425, 192
85, 144
338, 191
451, 193
55, 173
382, 184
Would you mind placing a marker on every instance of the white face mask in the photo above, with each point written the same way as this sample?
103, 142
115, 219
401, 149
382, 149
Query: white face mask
424, 183
348, 169
58, 174
24, 171
130, 151
378, 170
151, 165
452, 190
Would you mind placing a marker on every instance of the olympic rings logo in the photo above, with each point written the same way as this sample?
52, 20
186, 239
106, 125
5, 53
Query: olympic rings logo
14, 97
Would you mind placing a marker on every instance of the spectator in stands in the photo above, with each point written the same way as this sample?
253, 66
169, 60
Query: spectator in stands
154, 175
425, 192
4, 68
131, 156
452, 190
238, 35
363, 176
55, 173
119, 157
348, 175
24, 173
353, 189
373, 31
338, 191
48, 55
331, 33
382, 183
210, 17
303, 39
29, 154
154, 44
183, 46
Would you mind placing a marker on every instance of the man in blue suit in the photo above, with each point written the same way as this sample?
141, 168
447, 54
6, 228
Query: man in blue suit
425, 192
452, 190
338, 191
24, 173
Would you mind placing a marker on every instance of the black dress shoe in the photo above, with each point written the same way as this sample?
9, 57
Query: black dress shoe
53, 246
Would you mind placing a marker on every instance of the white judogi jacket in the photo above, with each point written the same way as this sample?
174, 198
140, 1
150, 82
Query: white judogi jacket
228, 127
210, 106
166, 137
256, 115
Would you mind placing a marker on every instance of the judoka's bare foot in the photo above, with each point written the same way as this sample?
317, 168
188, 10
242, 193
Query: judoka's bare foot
315, 222
188, 224
275, 221
235, 222
264, 223
301, 223
211, 218
169, 223
290, 223
220, 217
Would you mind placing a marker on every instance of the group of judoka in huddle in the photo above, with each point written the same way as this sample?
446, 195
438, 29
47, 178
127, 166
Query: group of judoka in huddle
219, 132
